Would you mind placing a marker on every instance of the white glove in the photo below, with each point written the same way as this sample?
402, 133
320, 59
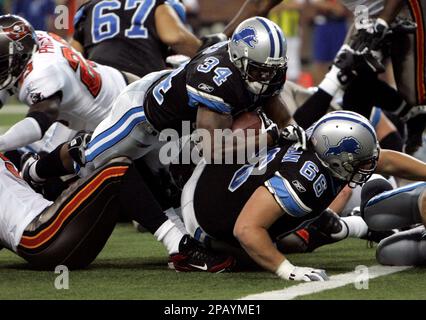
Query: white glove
288, 271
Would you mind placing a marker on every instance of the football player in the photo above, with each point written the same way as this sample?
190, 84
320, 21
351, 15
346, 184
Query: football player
55, 81
70, 231
251, 210
243, 74
133, 36
407, 52
385, 208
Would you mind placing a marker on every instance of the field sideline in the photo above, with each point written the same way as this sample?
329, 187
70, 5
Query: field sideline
134, 266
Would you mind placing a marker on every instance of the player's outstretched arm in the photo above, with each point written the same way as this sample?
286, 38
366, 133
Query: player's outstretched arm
32, 128
401, 165
249, 9
173, 32
258, 214
391, 9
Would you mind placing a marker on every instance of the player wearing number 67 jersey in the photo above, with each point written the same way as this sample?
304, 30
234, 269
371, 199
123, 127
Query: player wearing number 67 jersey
55, 81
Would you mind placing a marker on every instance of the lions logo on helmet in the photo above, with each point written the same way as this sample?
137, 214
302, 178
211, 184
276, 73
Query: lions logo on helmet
346, 144
247, 35
258, 49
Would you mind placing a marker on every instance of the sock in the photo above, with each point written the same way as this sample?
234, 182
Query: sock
176, 219
50, 165
343, 233
170, 235
356, 226
33, 174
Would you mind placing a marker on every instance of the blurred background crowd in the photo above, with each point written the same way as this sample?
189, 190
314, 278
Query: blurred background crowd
315, 29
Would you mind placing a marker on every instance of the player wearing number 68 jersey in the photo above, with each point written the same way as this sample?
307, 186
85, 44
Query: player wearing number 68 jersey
249, 208
55, 81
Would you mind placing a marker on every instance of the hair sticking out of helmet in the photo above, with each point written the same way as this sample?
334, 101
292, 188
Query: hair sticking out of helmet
258, 49
347, 144
18, 42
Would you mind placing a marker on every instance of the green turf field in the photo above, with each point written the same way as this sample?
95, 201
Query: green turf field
134, 266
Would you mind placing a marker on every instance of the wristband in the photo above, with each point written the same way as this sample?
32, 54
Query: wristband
285, 269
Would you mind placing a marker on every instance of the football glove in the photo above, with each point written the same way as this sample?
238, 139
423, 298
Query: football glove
292, 133
77, 146
212, 39
288, 271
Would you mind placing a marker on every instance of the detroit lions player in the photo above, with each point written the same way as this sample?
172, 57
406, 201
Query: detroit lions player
385, 208
54, 80
132, 36
243, 74
251, 211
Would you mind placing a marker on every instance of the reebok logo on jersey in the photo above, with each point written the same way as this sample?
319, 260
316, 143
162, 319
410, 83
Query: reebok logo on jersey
298, 186
346, 144
205, 87
247, 35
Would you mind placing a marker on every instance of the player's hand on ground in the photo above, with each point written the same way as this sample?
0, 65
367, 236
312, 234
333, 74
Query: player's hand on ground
308, 274
288, 271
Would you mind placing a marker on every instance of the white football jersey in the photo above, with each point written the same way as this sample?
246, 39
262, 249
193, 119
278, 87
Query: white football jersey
19, 205
374, 6
87, 89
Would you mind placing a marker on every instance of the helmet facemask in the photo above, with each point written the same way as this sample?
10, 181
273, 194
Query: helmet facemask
18, 44
260, 76
354, 172
12, 66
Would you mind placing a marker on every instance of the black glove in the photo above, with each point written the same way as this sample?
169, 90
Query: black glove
212, 39
369, 42
292, 133
77, 146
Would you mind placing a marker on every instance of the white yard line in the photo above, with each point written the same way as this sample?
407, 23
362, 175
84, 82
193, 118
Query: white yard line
336, 281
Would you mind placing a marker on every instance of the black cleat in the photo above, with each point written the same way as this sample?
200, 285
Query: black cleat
193, 256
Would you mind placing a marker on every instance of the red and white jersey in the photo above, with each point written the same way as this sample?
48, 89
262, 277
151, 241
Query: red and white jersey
87, 89
19, 205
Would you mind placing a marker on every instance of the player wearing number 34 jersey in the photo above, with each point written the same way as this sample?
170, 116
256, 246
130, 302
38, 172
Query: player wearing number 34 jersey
55, 81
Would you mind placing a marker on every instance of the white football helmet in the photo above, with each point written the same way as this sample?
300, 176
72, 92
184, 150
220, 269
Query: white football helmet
258, 49
347, 144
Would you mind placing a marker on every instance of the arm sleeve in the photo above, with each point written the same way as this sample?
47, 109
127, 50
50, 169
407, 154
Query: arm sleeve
21, 134
313, 109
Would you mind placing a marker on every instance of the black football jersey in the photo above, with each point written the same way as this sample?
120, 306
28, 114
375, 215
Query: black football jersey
209, 79
299, 182
121, 34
